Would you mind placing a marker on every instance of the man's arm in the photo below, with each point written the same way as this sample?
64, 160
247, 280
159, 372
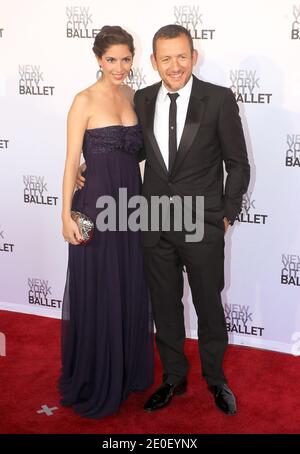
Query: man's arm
232, 141
141, 153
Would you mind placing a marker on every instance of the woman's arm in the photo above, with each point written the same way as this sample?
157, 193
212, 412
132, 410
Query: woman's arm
76, 125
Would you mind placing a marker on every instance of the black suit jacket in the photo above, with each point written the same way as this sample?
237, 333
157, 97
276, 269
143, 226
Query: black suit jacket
212, 135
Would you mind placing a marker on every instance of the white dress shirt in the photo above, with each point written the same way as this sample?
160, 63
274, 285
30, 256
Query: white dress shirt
161, 117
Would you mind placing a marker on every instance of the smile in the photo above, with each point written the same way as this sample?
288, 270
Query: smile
176, 76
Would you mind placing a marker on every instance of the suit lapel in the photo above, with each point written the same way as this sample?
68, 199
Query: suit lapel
194, 116
149, 112
193, 120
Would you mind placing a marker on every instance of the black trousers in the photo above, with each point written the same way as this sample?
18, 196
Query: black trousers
204, 264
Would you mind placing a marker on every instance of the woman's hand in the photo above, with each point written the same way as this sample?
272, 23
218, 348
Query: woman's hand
71, 232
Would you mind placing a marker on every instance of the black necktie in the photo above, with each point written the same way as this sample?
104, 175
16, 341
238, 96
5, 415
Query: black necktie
172, 129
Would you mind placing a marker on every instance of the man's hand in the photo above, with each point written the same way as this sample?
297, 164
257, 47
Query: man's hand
80, 180
226, 224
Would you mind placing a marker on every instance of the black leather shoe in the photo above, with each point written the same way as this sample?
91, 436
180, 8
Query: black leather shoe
224, 398
163, 395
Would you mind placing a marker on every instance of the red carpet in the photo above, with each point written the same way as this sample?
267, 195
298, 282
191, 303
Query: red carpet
266, 384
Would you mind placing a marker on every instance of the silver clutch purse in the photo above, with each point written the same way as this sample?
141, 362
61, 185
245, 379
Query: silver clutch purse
85, 225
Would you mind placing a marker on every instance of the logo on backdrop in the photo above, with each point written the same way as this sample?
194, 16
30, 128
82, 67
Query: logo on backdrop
36, 191
190, 17
80, 22
1, 32
292, 155
295, 33
248, 212
239, 320
32, 81
4, 246
138, 79
40, 294
246, 87
4, 144
290, 273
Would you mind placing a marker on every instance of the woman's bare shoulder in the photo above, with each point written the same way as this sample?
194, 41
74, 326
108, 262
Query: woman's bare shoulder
85, 96
128, 92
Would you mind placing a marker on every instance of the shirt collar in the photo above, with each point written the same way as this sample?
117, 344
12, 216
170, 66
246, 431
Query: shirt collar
184, 92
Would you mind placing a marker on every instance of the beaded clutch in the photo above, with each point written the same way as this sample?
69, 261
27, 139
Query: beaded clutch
85, 225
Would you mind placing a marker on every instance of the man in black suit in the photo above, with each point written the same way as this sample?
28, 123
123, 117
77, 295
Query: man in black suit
208, 131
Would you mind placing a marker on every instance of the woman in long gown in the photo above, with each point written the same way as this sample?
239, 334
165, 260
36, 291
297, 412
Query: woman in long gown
106, 328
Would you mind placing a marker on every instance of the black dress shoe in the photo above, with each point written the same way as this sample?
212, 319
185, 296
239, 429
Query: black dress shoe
224, 398
163, 395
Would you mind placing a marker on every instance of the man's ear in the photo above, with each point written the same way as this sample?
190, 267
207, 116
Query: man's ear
195, 56
153, 61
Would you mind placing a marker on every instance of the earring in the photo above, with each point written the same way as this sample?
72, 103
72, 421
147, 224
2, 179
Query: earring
99, 73
130, 75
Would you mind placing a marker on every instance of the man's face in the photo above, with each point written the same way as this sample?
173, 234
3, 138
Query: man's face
174, 61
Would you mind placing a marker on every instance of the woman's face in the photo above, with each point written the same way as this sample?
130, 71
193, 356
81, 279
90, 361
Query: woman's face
116, 63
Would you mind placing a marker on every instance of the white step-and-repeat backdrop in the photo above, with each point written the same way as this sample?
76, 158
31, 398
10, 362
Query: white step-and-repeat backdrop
252, 47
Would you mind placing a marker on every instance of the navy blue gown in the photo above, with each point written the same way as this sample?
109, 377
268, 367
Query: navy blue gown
107, 344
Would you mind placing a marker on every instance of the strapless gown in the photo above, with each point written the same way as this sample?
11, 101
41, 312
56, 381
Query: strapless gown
107, 343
